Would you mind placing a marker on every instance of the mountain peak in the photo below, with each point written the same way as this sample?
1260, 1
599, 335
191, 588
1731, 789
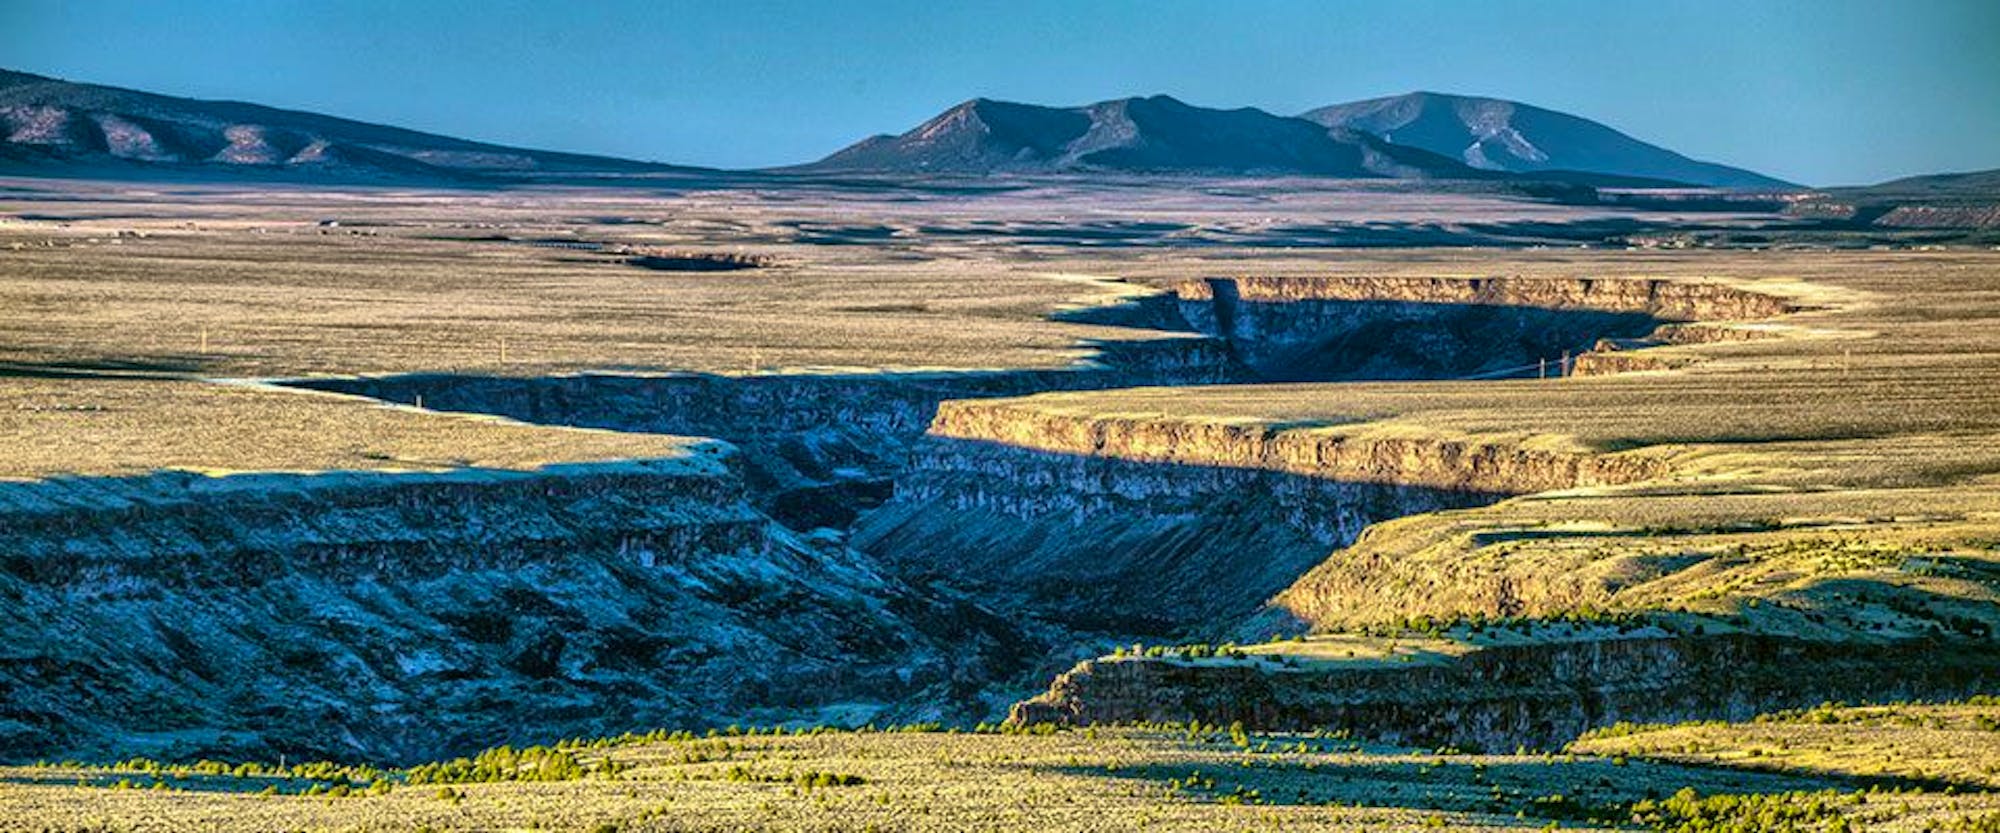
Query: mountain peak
48, 122
1501, 135
1153, 134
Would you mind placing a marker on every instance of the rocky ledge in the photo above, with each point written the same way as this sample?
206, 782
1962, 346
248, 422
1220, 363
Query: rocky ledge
1538, 696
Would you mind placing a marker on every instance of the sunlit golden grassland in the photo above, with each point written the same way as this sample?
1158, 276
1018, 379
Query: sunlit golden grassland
1954, 744
1168, 778
134, 425
115, 319
248, 284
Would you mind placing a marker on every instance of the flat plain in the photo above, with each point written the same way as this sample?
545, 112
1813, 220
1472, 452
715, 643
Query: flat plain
1114, 778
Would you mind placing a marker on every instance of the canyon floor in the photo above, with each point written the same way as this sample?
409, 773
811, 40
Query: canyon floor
1475, 510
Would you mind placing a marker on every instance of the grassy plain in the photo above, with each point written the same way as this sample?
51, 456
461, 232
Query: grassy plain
1105, 778
133, 275
134, 424
1954, 743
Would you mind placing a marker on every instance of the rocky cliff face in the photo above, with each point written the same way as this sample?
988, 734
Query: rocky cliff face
1436, 462
1119, 546
400, 616
1533, 695
1154, 526
1407, 328
1669, 300
816, 448
1942, 216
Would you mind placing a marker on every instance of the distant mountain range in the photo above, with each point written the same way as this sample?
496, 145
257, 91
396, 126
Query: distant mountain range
56, 127
1146, 135
1497, 135
1415, 136
50, 123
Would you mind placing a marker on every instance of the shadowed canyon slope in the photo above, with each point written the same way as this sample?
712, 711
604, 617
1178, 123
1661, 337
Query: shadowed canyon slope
398, 615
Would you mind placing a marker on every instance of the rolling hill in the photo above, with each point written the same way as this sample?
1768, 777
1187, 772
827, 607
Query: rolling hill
1975, 186
48, 124
1499, 135
1969, 200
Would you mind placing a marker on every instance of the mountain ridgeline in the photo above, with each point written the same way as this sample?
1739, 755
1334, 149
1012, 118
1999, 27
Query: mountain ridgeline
1416, 136
1159, 134
56, 126
50, 126
1496, 135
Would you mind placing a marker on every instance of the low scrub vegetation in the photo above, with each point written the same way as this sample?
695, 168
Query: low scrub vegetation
1039, 778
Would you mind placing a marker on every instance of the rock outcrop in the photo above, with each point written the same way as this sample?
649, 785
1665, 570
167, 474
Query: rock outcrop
1134, 525
1323, 452
1533, 695
1119, 546
1429, 328
1664, 299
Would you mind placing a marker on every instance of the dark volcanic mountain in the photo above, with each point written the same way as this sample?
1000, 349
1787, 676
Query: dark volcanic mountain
1498, 135
1139, 135
47, 123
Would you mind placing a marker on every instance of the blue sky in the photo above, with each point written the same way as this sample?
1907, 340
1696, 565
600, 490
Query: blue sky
1819, 91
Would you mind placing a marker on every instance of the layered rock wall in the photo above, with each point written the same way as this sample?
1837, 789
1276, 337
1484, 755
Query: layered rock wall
1435, 462
178, 526
816, 448
1667, 300
740, 408
1404, 328
1120, 546
1146, 525
1533, 695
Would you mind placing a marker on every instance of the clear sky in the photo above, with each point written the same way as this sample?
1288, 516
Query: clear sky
1818, 91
